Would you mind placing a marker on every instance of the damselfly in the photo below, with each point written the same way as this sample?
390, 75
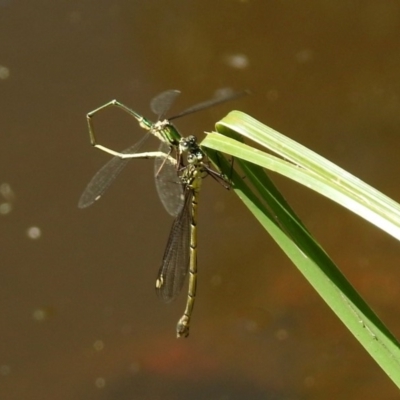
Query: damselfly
180, 254
168, 157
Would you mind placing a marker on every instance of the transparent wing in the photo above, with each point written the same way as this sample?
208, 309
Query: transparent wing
168, 184
106, 175
163, 102
224, 97
175, 264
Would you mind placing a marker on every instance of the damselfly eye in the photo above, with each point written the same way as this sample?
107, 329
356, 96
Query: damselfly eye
184, 145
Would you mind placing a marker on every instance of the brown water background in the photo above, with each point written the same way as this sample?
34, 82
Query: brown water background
79, 318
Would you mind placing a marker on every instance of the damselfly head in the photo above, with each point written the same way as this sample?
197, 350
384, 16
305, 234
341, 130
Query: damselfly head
189, 145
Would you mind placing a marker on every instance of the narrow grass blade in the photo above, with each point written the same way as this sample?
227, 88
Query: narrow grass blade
310, 169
